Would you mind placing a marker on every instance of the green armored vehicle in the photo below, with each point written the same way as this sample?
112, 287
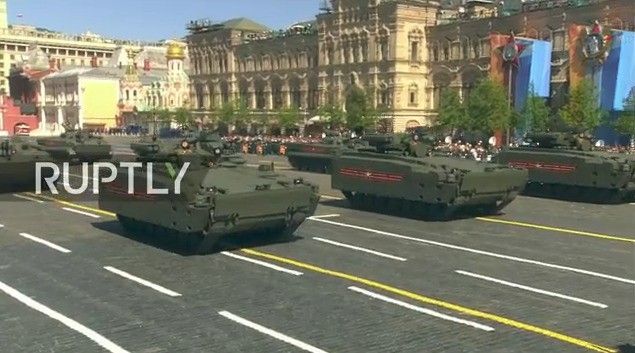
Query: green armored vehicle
402, 176
18, 161
219, 195
86, 147
568, 166
316, 157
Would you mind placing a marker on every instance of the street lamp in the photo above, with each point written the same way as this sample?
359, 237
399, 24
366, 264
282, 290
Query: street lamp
305, 113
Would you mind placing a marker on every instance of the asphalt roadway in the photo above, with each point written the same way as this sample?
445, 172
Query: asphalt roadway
546, 276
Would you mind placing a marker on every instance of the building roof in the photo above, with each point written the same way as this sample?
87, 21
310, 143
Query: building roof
106, 72
36, 58
245, 24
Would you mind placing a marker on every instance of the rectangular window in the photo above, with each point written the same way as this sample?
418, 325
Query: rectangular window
414, 51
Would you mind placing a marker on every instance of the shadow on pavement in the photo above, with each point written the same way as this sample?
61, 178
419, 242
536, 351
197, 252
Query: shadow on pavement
625, 348
460, 215
171, 243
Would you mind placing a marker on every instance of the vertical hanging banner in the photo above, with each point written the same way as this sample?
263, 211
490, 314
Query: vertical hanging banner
607, 58
522, 65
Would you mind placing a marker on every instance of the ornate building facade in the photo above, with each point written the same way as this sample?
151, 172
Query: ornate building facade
460, 51
148, 89
403, 52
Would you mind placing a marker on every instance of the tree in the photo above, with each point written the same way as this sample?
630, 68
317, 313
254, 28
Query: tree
360, 112
488, 108
625, 123
334, 115
183, 117
535, 114
288, 118
583, 111
242, 114
164, 116
451, 112
227, 114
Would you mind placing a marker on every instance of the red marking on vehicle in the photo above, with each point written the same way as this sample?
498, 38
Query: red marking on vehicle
371, 175
314, 149
120, 190
543, 166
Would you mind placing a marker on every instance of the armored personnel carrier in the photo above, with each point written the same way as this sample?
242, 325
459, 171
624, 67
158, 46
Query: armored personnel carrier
316, 157
210, 193
568, 166
18, 158
403, 176
86, 146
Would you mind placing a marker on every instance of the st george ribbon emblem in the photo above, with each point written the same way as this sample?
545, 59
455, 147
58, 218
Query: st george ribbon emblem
511, 51
596, 43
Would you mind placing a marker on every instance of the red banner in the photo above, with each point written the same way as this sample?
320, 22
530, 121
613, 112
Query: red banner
576, 62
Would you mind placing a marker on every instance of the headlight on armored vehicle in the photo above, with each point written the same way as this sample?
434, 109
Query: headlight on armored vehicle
297, 181
217, 151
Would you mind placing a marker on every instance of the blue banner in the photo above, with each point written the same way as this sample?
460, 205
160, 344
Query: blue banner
614, 78
534, 72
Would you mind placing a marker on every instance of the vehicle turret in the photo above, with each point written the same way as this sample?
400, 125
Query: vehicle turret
558, 140
86, 146
416, 144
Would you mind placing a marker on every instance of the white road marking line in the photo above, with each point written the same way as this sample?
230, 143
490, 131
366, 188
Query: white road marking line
421, 310
353, 247
45, 242
269, 332
326, 216
80, 212
70, 323
481, 252
328, 197
531, 289
142, 281
262, 263
27, 198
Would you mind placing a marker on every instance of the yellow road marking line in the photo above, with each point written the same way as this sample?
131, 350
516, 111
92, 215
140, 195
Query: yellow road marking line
535, 226
394, 290
436, 302
556, 229
329, 197
71, 204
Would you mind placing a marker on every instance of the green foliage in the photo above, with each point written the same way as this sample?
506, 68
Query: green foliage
360, 112
488, 108
334, 115
535, 113
233, 112
451, 111
288, 118
625, 123
183, 117
583, 111
163, 115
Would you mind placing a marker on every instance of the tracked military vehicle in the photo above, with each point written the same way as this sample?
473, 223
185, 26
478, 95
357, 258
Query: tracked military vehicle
219, 195
402, 176
316, 157
86, 147
566, 166
18, 158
